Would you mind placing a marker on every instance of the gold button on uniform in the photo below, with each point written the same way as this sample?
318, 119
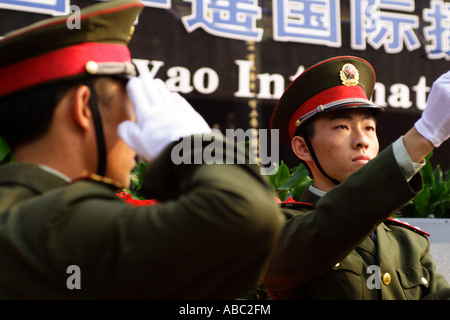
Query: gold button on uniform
424, 281
386, 278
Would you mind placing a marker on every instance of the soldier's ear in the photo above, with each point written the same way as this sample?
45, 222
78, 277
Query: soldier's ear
80, 107
300, 148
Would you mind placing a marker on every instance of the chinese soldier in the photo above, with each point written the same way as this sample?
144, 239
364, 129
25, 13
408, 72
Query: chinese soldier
339, 242
76, 115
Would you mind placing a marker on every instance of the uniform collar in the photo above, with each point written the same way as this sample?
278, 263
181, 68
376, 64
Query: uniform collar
55, 172
309, 196
316, 191
31, 176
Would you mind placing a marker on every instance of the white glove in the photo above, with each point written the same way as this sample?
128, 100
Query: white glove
162, 116
434, 124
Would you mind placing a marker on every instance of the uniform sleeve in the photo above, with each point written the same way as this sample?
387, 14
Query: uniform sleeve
408, 167
210, 238
312, 243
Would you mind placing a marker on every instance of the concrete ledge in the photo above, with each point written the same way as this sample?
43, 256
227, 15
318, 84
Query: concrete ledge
439, 230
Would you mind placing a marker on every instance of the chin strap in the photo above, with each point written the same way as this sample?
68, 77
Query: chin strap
101, 147
316, 161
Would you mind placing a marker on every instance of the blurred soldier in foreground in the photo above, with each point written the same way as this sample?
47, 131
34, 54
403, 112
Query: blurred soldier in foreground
76, 117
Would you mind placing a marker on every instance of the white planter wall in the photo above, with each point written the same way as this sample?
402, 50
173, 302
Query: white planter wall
439, 229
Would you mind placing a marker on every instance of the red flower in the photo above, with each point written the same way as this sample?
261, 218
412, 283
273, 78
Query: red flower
135, 202
290, 200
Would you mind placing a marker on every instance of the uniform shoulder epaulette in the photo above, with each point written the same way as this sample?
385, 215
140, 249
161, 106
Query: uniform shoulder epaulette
397, 222
125, 196
103, 180
292, 204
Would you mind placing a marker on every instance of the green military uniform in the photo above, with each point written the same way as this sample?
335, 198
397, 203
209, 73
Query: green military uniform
325, 251
208, 240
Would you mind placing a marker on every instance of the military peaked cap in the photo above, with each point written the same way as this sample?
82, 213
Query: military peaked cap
336, 83
52, 50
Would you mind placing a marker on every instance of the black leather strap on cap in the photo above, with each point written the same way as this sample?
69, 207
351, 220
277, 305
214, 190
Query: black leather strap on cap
101, 146
316, 161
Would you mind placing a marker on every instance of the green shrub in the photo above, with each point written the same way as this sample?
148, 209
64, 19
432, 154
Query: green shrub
290, 182
5, 153
434, 199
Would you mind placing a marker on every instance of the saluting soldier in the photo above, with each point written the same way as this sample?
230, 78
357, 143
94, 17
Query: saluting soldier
75, 115
339, 242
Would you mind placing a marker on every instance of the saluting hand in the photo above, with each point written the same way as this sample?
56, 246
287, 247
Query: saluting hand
434, 124
162, 116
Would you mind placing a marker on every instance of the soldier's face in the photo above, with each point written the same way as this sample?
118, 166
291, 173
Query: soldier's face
344, 141
120, 157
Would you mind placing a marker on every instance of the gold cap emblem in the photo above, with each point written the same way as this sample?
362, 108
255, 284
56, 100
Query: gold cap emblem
349, 75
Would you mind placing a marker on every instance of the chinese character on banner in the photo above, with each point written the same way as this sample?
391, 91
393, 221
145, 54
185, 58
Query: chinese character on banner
53, 7
230, 19
438, 33
164, 4
373, 23
307, 21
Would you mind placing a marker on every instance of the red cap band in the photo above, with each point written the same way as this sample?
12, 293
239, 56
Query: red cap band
327, 96
61, 63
